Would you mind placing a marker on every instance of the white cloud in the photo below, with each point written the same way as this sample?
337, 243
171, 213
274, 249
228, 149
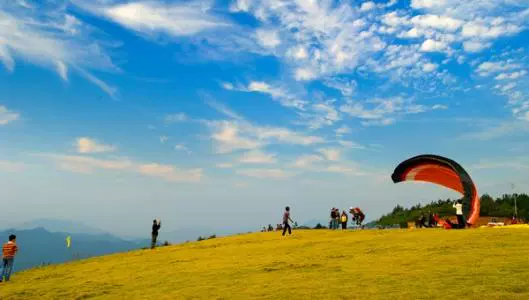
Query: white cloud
304, 74
279, 94
350, 145
175, 118
345, 86
307, 161
88, 165
490, 67
427, 3
482, 30
9, 166
514, 75
88, 145
239, 134
299, 53
228, 138
340, 169
170, 173
429, 67
475, 46
382, 122
433, 46
384, 111
265, 173
331, 154
224, 166
240, 5
178, 19
439, 106
268, 38
257, 157
49, 37
164, 139
438, 22
182, 147
367, 6
343, 130
7, 116
84, 164
322, 114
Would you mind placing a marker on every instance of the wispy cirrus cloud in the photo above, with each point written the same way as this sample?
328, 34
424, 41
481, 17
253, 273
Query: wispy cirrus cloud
90, 165
385, 111
277, 174
7, 116
239, 134
279, 94
89, 145
153, 18
48, 36
257, 157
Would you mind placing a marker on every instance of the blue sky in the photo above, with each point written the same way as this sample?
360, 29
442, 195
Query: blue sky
223, 112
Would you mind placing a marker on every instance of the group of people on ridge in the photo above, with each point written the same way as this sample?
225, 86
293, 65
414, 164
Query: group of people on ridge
336, 218
434, 220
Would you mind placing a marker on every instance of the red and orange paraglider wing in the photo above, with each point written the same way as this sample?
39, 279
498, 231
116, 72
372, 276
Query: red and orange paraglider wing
441, 171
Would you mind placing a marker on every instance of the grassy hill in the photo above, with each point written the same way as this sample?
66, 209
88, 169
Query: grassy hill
315, 264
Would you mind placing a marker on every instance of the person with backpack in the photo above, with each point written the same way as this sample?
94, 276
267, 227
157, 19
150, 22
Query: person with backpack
156, 225
286, 218
344, 218
9, 250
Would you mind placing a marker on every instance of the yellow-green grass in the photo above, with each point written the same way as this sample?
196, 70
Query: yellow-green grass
319, 264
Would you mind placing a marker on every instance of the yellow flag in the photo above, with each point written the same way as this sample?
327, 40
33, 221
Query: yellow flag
68, 241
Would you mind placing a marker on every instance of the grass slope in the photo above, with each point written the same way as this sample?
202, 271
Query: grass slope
371, 264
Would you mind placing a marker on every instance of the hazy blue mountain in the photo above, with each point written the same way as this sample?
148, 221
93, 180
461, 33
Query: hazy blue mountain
38, 246
53, 225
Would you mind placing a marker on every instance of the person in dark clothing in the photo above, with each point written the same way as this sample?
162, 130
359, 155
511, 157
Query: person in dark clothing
286, 219
156, 225
431, 219
422, 221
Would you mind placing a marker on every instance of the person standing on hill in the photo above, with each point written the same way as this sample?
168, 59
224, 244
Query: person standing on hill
156, 225
344, 218
9, 250
286, 219
458, 205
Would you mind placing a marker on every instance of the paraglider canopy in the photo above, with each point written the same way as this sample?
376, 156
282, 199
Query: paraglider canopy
442, 171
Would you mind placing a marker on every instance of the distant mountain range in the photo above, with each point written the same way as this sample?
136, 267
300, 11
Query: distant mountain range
53, 225
43, 241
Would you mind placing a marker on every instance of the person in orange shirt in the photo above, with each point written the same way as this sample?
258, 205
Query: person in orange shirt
9, 250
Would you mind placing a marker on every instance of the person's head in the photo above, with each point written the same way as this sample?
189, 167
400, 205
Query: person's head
154, 221
287, 208
12, 238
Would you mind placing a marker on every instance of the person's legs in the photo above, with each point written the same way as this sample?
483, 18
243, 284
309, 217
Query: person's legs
285, 225
153, 241
10, 263
4, 265
289, 229
460, 221
8, 268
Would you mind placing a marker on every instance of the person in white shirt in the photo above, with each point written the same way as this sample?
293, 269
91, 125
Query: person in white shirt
458, 205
